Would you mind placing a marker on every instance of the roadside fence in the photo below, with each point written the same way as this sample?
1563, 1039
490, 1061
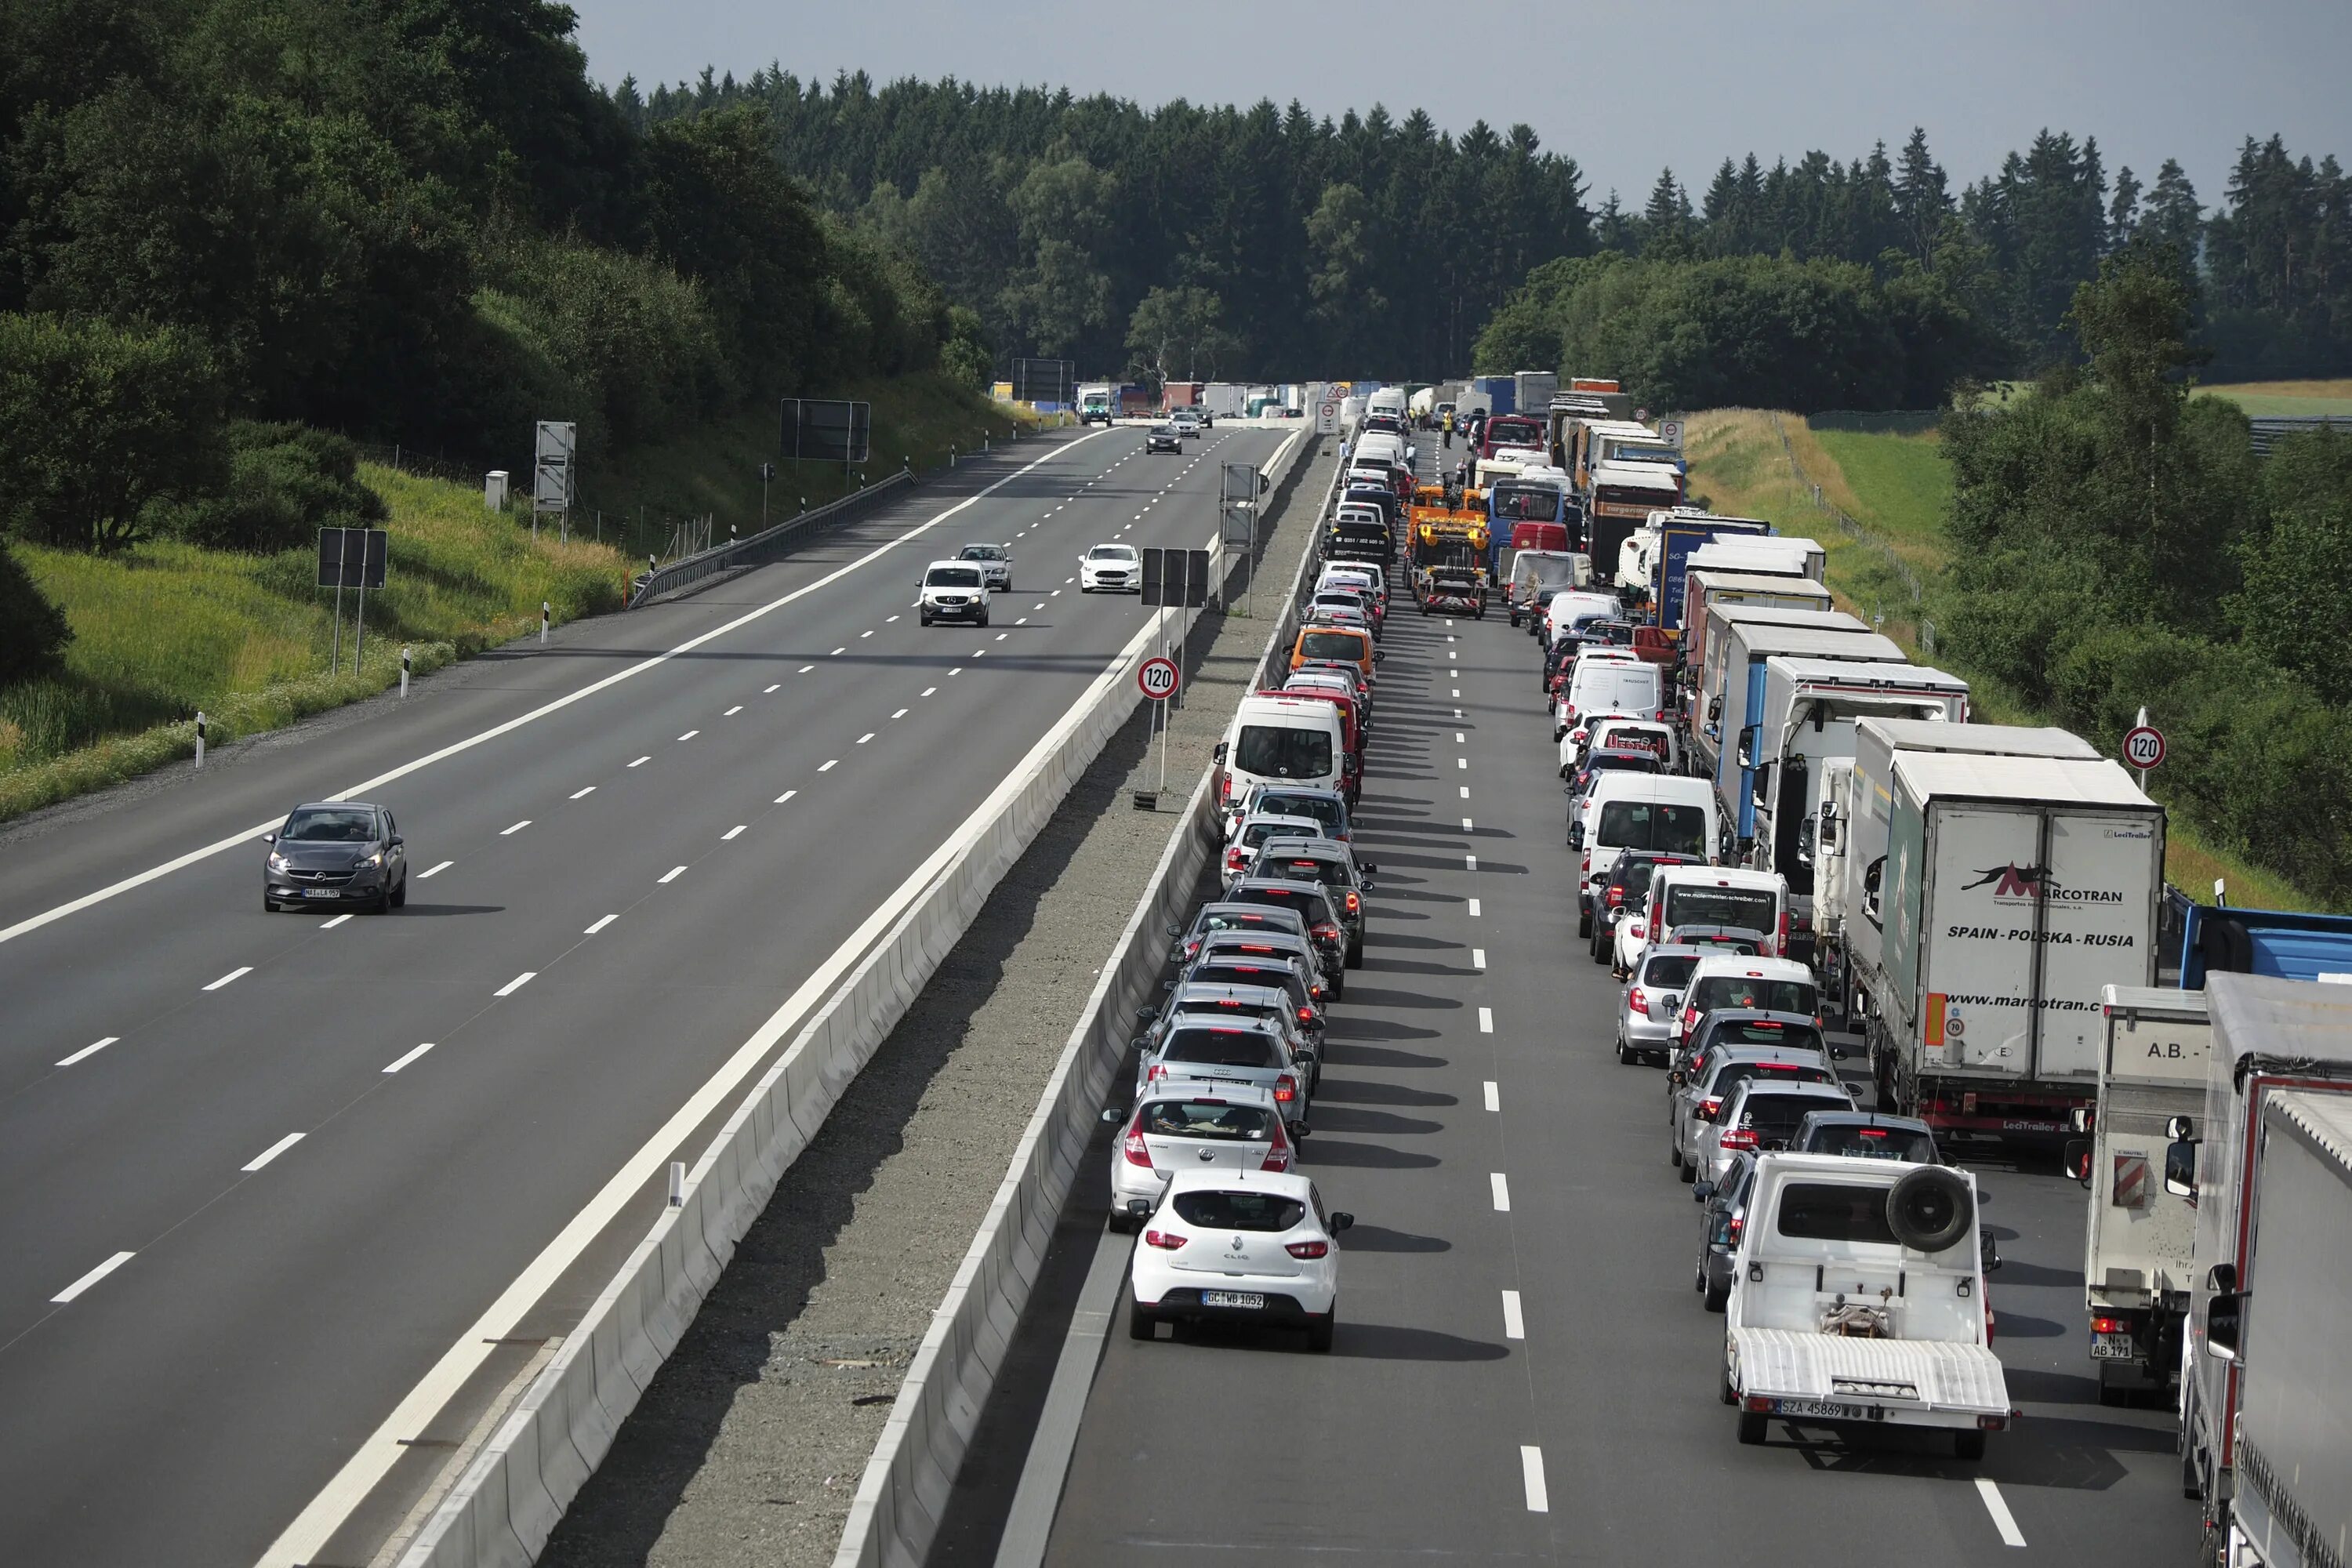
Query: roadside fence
742, 554
1855, 529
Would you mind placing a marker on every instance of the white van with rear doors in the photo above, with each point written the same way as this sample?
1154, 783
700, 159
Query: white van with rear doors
1634, 688
1638, 811
1732, 896
1292, 741
1570, 605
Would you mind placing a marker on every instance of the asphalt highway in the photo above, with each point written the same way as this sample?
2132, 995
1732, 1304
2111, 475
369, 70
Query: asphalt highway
264, 1179
1523, 1371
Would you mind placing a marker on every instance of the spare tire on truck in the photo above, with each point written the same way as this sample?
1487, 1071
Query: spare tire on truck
1929, 1210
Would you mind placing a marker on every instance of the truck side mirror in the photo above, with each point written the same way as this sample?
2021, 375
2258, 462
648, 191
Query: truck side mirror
2078, 1160
1748, 737
1986, 1253
1576, 835
1871, 879
2225, 1325
1829, 833
1220, 753
2180, 1167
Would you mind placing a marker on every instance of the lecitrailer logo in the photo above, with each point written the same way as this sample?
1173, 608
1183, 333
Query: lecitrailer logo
2014, 884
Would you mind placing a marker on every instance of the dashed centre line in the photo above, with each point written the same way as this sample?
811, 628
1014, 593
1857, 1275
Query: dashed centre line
580, 794
92, 1278
826, 767
641, 762
436, 870
1485, 1020
901, 714
1501, 1188
1515, 1322
271, 1152
672, 875
1531, 1475
1478, 958
518, 827
330, 925
232, 974
1474, 909
732, 711
865, 737
601, 921
406, 1057
88, 1051
516, 984
1494, 1093
689, 735
732, 831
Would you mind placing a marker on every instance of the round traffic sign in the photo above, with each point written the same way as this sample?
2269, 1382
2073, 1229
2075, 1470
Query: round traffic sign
2144, 747
1160, 678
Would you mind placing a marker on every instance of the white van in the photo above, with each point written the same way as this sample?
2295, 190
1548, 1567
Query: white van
1293, 741
1635, 688
1720, 896
1638, 811
1571, 604
1388, 400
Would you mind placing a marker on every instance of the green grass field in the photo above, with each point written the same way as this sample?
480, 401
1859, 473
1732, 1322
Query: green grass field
1897, 487
165, 629
2287, 399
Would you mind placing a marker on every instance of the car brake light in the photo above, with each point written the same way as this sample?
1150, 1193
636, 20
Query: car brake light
1738, 1138
1157, 1071
1587, 867
1328, 932
1236, 857
1355, 902
1307, 1014
1286, 1089
1739, 1224
1780, 946
1138, 1153
1710, 1105
1871, 1132
2109, 1326
1690, 1017
1308, 1248
1616, 896
1637, 1001
1166, 1240
1277, 1155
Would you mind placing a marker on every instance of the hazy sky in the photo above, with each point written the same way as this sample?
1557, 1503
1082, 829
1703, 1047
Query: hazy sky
1624, 88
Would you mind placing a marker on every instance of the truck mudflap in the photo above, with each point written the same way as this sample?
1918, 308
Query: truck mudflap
1937, 1382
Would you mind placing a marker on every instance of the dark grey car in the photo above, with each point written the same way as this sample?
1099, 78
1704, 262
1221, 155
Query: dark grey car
336, 852
1343, 877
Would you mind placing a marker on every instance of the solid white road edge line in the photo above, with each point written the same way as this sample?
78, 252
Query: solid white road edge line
220, 846
93, 1276
386, 1446
1515, 1322
89, 1050
1502, 1186
406, 1057
272, 1152
1531, 1474
1998, 1506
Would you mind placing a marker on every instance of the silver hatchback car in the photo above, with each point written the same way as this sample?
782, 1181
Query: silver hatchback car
1645, 1014
336, 852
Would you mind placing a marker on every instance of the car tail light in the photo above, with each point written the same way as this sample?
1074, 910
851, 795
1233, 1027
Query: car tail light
1307, 1014
1278, 1156
1587, 867
1739, 1224
1285, 1089
1355, 902
1638, 1000
1738, 1138
1781, 943
1870, 1132
1166, 1240
1236, 859
1138, 1153
1690, 1017
1709, 1106
2110, 1326
1309, 1248
1616, 896
1326, 932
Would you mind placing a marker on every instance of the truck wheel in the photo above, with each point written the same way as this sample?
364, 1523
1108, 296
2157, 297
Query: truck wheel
1967, 1445
1751, 1428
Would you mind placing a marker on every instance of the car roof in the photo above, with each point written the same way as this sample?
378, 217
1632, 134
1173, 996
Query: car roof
1736, 1055
1728, 876
1834, 1118
1753, 968
1282, 1182
1800, 1090
951, 561
966, 553
1265, 996
1279, 884
1175, 1087
1111, 545
1182, 1019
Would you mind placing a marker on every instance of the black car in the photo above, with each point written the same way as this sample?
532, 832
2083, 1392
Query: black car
1163, 439
1743, 1026
336, 852
1725, 1215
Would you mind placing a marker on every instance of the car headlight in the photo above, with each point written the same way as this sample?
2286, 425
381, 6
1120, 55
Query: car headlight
277, 861
374, 860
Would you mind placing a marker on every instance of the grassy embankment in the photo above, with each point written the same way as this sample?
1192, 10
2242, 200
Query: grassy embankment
163, 630
1897, 487
2285, 399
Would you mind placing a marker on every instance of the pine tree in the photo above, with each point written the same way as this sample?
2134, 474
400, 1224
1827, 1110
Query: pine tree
1922, 199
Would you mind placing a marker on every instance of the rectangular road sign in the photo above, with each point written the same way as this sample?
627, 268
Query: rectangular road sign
1176, 578
351, 557
827, 429
554, 481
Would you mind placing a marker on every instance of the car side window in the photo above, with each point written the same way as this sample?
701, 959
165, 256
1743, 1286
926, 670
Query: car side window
1315, 1196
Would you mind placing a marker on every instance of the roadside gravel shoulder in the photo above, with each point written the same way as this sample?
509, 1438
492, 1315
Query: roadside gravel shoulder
748, 1446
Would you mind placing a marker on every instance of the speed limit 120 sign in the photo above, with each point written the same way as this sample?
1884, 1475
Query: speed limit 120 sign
1158, 677
2144, 747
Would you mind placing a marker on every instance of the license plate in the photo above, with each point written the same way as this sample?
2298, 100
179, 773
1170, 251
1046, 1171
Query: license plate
1232, 1298
2111, 1347
321, 892
1828, 1410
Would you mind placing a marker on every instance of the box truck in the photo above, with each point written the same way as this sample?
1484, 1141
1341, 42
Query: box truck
2011, 891
2139, 1242
2266, 1395
1741, 701
1705, 678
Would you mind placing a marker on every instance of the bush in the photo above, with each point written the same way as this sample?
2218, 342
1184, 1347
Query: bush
102, 421
285, 482
33, 633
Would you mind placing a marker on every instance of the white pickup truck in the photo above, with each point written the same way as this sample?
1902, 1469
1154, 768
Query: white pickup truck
1858, 1298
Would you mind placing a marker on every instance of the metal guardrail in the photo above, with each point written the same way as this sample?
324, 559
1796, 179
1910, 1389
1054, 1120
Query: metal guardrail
2269, 432
764, 546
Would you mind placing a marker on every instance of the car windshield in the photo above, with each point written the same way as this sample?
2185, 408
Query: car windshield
329, 825
1551, 573
1766, 1032
1669, 969
1232, 919
1526, 503
1872, 1142
953, 577
1223, 1049
1283, 752
1256, 833
1212, 1119
981, 553
1653, 824
1111, 552
1747, 992
1306, 868
1755, 908
1307, 901
1775, 1117
1331, 644
1239, 1211
1822, 1211
1731, 1075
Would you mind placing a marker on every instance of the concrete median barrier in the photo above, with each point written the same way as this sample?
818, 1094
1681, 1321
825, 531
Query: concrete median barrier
507, 1501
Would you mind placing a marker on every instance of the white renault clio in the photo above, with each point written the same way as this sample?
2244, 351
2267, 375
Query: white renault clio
1237, 1247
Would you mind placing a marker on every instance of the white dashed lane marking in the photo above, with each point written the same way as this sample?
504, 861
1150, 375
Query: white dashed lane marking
1501, 1188
641, 762
232, 974
601, 922
330, 925
1531, 1474
672, 875
271, 1152
1515, 1322
786, 795
518, 827
827, 766
437, 871
92, 1278
1485, 1020
583, 793
732, 832
406, 1057
1494, 1095
88, 1051
516, 984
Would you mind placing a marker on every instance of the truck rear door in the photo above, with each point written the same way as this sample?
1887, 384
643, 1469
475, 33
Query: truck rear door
1978, 938
2098, 899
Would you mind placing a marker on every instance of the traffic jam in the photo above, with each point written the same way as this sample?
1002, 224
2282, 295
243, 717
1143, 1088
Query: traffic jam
1864, 943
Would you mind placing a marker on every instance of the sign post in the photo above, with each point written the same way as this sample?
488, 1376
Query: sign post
1159, 680
553, 487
